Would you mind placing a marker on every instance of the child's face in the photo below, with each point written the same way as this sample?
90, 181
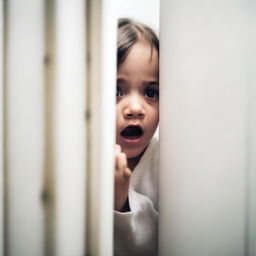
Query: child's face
137, 99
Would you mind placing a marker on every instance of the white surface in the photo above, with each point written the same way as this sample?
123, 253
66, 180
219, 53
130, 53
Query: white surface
204, 128
24, 109
69, 127
1, 135
102, 54
251, 51
108, 88
145, 11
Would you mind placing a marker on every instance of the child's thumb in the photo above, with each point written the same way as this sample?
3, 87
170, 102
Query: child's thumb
127, 173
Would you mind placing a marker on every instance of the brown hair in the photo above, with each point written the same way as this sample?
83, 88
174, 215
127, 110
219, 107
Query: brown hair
129, 32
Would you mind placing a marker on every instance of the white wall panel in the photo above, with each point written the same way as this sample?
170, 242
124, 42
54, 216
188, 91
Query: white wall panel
69, 128
102, 85
251, 48
203, 127
1, 134
25, 127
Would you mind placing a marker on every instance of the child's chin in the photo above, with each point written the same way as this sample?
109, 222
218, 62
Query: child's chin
133, 153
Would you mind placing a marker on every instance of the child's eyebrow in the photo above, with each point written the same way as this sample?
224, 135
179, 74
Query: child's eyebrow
120, 80
151, 83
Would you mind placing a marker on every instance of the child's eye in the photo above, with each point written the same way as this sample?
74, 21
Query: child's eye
151, 93
119, 91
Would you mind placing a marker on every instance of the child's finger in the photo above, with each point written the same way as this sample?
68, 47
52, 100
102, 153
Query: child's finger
127, 173
121, 162
117, 151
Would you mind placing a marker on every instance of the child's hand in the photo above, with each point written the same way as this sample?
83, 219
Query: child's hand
122, 179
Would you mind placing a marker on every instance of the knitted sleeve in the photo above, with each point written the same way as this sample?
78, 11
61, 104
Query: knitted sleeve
136, 232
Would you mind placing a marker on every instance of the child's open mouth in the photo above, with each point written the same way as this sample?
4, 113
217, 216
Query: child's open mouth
132, 133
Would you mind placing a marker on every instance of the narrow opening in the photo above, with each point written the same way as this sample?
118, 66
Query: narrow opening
137, 116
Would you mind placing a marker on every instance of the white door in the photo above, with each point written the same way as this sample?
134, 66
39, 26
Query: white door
207, 140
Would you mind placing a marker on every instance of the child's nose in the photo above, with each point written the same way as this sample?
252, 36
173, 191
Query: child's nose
134, 108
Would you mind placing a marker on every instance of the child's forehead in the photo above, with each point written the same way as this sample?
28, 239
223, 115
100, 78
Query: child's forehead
141, 57
143, 46
141, 51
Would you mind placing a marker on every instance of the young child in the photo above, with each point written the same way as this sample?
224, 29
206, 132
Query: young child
136, 152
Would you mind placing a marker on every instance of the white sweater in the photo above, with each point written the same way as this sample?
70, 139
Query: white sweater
136, 232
